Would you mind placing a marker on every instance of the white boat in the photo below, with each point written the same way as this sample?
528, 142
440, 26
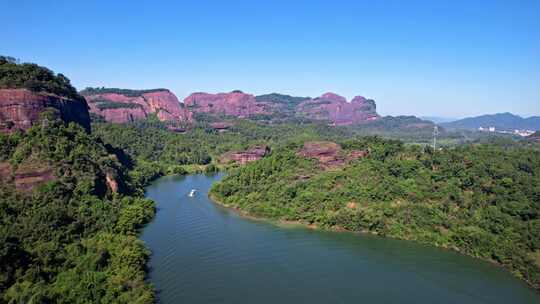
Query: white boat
192, 193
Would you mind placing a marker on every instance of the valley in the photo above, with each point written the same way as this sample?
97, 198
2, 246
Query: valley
74, 167
270, 152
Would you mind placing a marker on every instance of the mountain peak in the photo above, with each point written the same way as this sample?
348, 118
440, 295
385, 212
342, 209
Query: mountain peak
500, 121
333, 97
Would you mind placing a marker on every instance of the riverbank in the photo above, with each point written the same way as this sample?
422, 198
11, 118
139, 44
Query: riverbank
462, 199
200, 246
288, 223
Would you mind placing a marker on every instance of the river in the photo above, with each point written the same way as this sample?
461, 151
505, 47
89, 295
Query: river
205, 253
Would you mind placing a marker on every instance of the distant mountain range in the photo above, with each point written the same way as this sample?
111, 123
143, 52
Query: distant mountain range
501, 121
123, 105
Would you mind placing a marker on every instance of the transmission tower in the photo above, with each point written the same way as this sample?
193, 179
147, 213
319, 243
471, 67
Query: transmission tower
435, 133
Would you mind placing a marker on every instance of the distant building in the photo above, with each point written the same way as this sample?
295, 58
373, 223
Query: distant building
524, 133
487, 129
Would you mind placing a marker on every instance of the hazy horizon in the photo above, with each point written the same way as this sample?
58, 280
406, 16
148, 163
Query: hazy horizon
449, 59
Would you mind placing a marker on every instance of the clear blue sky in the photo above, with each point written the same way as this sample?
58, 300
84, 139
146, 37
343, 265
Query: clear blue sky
445, 58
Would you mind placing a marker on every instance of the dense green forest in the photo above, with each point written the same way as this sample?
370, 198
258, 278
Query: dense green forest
70, 208
151, 145
71, 239
35, 78
149, 142
481, 199
406, 128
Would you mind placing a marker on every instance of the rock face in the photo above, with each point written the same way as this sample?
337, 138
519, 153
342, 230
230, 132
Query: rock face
21, 108
244, 157
27, 176
330, 107
329, 154
111, 182
131, 105
338, 111
120, 106
221, 126
281, 105
176, 129
5, 172
355, 154
235, 103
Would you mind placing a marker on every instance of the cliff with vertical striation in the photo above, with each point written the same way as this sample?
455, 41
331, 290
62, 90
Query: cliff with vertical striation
121, 106
235, 103
337, 110
21, 108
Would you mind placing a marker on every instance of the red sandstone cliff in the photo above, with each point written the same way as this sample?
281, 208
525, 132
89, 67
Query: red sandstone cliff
121, 108
129, 105
330, 106
21, 108
329, 154
236, 104
337, 110
247, 156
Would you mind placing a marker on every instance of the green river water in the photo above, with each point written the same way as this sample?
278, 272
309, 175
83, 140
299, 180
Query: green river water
204, 253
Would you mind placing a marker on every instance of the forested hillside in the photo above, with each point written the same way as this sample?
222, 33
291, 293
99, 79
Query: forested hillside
70, 239
70, 205
151, 145
35, 78
71, 199
482, 200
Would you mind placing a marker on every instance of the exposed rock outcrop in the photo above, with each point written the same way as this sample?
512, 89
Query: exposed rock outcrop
355, 154
244, 157
6, 172
112, 184
329, 154
120, 115
337, 110
121, 106
330, 107
221, 126
28, 176
235, 103
176, 129
21, 108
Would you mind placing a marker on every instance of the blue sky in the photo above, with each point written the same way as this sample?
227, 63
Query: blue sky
444, 58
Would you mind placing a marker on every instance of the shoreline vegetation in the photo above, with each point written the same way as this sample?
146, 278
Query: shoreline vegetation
276, 222
143, 141
488, 212
306, 225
